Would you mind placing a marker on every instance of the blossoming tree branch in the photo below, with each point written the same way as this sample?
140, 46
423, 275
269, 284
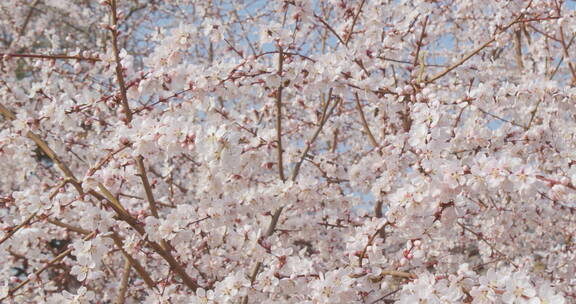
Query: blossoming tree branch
287, 151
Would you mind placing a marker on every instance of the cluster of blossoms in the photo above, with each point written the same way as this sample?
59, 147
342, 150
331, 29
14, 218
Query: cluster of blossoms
287, 151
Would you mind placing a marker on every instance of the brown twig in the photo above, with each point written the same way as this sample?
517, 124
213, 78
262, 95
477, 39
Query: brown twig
46, 266
31, 216
113, 203
146, 183
121, 298
119, 243
46, 149
386, 295
384, 273
481, 237
478, 49
567, 55
255, 271
370, 241
330, 29
279, 115
326, 112
133, 262
149, 194
68, 226
28, 17
269, 232
354, 22
420, 42
518, 48
123, 215
364, 122
119, 69
50, 57
15, 229
105, 160
500, 118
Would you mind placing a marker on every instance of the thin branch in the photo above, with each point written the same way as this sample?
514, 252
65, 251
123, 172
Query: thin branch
133, 262
252, 279
518, 48
279, 114
364, 122
274, 221
378, 209
149, 194
165, 254
31, 216
419, 43
113, 200
399, 274
113, 203
15, 229
477, 50
119, 243
386, 295
146, 183
105, 160
384, 273
334, 141
481, 237
533, 114
50, 57
500, 118
567, 55
354, 22
124, 283
27, 20
330, 29
43, 268
269, 232
325, 115
7, 114
68, 226
370, 241
119, 69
